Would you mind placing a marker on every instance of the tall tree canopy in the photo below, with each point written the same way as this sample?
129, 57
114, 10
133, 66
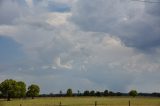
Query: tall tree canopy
11, 88
69, 92
33, 90
133, 93
21, 89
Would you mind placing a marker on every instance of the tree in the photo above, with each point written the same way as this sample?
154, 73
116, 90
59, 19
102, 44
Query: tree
1, 95
106, 93
21, 89
9, 88
111, 93
69, 92
86, 93
60, 93
92, 93
98, 93
133, 93
119, 94
78, 93
33, 90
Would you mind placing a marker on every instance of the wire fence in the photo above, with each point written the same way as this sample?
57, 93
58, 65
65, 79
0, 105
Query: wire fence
84, 102
91, 104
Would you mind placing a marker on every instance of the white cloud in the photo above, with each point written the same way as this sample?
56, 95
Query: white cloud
30, 3
57, 19
65, 1
65, 65
133, 22
8, 15
97, 59
7, 30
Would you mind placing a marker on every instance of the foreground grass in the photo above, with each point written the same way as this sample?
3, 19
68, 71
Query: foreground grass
83, 101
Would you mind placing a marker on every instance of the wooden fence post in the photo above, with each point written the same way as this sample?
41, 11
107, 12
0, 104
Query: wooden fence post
129, 103
95, 103
20, 104
60, 104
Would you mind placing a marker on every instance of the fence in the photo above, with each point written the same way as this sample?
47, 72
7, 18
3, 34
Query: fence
94, 104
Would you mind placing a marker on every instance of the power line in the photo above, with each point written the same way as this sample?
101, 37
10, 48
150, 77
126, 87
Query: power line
147, 1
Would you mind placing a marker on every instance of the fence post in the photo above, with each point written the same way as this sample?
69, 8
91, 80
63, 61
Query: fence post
60, 104
129, 103
95, 103
20, 104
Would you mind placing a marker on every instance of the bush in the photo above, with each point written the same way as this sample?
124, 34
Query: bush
133, 93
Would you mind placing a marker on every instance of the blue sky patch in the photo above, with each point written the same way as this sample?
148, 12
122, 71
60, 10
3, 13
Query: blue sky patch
59, 7
10, 50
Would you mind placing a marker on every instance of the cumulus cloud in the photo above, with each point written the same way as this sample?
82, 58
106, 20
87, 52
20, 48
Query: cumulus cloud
8, 15
59, 64
98, 55
29, 3
7, 30
135, 23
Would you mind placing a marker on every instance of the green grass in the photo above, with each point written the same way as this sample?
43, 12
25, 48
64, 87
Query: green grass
83, 101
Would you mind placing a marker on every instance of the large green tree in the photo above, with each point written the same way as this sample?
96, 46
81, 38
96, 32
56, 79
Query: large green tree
21, 89
9, 88
69, 92
33, 90
133, 93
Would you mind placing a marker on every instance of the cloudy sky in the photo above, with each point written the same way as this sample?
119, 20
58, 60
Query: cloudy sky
81, 44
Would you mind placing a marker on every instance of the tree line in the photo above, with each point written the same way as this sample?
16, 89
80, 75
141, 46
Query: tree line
94, 93
10, 88
69, 93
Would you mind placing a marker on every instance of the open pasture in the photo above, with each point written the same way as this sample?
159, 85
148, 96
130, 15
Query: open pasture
83, 101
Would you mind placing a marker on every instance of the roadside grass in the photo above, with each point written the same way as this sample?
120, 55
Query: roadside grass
83, 101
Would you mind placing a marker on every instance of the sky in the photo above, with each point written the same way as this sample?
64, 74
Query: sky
81, 44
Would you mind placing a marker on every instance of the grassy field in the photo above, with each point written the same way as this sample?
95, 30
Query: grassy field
83, 101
